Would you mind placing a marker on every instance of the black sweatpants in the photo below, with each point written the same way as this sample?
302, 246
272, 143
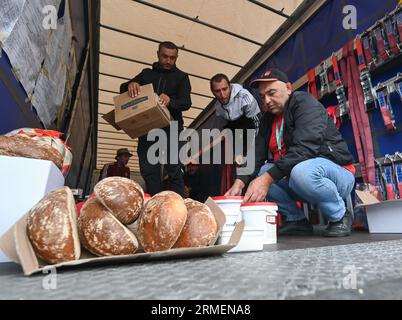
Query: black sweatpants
152, 172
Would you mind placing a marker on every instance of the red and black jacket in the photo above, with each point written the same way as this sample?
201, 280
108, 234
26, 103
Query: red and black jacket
308, 133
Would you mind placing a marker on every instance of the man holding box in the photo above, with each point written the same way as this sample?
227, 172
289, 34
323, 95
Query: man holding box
311, 161
173, 89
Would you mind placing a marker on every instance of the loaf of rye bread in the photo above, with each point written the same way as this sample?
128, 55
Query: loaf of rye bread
200, 228
102, 234
123, 197
28, 148
52, 227
161, 221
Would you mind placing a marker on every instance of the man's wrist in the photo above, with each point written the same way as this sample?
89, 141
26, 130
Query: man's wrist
240, 183
267, 178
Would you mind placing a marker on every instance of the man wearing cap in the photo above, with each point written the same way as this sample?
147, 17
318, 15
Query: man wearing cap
309, 160
118, 168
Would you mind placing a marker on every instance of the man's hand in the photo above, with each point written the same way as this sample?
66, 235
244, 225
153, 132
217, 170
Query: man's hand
236, 189
134, 89
258, 188
164, 100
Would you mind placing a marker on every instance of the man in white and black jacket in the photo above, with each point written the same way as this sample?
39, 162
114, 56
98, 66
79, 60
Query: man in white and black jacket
173, 88
235, 104
309, 160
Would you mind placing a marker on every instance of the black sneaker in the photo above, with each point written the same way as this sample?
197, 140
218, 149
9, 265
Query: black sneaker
341, 228
296, 228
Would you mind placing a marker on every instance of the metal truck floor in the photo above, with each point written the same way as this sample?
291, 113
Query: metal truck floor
361, 266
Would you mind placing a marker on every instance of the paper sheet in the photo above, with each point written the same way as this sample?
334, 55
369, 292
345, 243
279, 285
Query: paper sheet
50, 86
10, 11
26, 44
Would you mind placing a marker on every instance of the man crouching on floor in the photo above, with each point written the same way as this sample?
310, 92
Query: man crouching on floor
311, 161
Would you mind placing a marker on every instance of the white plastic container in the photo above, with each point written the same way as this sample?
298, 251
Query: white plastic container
230, 205
252, 239
23, 183
261, 215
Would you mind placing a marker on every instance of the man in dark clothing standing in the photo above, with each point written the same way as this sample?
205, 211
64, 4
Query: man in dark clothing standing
173, 88
311, 161
192, 183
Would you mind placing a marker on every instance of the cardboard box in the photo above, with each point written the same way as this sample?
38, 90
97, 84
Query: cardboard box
23, 183
382, 216
16, 245
137, 116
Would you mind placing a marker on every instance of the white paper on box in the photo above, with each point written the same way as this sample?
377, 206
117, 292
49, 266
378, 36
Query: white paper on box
23, 183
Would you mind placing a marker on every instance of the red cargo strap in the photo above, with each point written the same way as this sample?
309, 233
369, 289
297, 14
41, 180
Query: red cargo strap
380, 43
390, 192
398, 173
228, 176
365, 78
333, 112
389, 29
331, 75
337, 75
225, 179
367, 50
378, 181
360, 56
340, 89
312, 83
398, 177
386, 109
390, 177
398, 19
359, 118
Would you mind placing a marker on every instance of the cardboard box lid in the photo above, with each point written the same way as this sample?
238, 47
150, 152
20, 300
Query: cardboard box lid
366, 198
109, 118
16, 245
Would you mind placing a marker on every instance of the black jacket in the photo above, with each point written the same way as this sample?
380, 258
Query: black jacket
174, 83
309, 133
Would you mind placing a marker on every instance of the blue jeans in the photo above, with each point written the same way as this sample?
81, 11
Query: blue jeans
318, 181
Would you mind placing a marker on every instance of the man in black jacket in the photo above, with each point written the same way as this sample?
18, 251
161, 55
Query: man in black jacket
173, 88
311, 161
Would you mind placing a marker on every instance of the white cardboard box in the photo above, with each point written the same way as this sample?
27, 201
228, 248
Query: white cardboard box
23, 182
384, 216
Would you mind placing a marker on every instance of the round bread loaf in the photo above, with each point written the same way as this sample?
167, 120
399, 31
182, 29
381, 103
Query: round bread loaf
161, 221
123, 197
200, 228
52, 227
102, 234
28, 148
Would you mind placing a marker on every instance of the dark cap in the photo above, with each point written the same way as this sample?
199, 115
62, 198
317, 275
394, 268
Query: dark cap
123, 151
269, 76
